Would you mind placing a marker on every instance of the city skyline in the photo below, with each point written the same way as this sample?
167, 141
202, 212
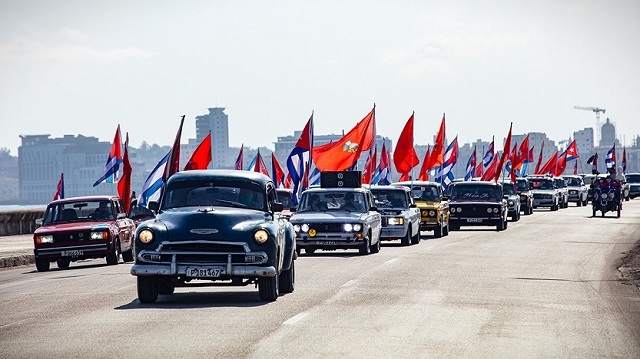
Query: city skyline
91, 65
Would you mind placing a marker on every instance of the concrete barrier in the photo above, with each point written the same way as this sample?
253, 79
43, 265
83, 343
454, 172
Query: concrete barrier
19, 221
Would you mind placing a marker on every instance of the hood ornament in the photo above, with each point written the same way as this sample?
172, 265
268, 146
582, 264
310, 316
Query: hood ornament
204, 231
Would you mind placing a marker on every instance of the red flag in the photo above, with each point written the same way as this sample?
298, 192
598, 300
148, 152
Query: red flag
531, 156
478, 172
572, 151
201, 157
561, 164
505, 152
437, 153
343, 154
550, 165
370, 166
404, 156
278, 173
258, 165
537, 170
424, 172
514, 158
288, 183
239, 161
523, 153
173, 165
124, 185
575, 168
59, 188
491, 170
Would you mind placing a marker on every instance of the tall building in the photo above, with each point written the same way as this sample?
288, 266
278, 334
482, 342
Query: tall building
608, 135
216, 122
585, 143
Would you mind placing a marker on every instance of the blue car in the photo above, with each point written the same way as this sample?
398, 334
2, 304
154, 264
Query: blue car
215, 227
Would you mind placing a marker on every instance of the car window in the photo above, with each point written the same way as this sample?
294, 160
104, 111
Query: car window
633, 178
573, 181
223, 194
332, 201
425, 193
523, 185
284, 197
79, 211
390, 198
541, 184
476, 193
508, 189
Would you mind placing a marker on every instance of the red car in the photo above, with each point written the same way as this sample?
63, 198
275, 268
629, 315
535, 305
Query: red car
81, 228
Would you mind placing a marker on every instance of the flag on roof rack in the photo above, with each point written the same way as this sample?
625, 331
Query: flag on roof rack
593, 161
471, 165
404, 155
445, 176
572, 151
59, 188
152, 185
173, 165
624, 160
298, 158
610, 160
239, 161
424, 171
277, 172
382, 173
124, 184
258, 165
488, 155
113, 161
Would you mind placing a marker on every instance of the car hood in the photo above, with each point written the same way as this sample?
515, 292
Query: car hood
327, 217
544, 191
207, 223
428, 204
72, 227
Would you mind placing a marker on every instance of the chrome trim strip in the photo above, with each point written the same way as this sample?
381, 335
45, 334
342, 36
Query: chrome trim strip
240, 271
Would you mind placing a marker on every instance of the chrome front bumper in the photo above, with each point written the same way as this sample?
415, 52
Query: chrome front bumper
181, 270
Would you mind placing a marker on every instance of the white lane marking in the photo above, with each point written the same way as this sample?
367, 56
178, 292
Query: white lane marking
14, 323
350, 283
391, 261
296, 318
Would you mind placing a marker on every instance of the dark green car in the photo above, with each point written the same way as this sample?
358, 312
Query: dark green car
215, 227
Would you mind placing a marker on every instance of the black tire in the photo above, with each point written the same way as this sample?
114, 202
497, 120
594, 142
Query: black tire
437, 232
268, 288
42, 265
364, 248
298, 251
165, 288
602, 213
406, 240
376, 247
585, 202
579, 203
416, 239
500, 226
288, 279
147, 289
618, 212
594, 212
113, 257
445, 230
63, 263
127, 256
454, 227
309, 250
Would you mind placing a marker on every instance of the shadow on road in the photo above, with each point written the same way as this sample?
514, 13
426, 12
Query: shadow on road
191, 300
567, 280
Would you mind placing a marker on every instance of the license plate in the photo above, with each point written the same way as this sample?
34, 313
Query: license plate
203, 272
474, 220
327, 243
73, 253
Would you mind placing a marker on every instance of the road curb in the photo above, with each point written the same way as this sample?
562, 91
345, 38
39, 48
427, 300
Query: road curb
17, 260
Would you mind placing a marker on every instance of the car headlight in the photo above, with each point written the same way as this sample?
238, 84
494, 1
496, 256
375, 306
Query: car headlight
296, 227
489, 210
425, 213
357, 227
396, 221
459, 209
260, 236
145, 236
99, 235
453, 210
44, 239
432, 213
495, 210
305, 228
348, 227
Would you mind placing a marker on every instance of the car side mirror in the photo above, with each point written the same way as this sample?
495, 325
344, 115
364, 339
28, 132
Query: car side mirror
373, 209
39, 222
277, 206
121, 215
413, 205
293, 209
153, 205
445, 198
505, 197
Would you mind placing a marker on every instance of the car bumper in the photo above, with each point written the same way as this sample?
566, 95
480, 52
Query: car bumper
332, 243
77, 252
475, 221
175, 270
543, 202
429, 224
394, 231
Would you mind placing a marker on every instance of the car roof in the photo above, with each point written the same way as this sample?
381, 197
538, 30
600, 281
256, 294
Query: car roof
339, 189
475, 183
390, 187
85, 199
224, 175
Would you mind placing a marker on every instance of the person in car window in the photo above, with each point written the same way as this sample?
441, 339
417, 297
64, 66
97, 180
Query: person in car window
316, 204
103, 211
349, 202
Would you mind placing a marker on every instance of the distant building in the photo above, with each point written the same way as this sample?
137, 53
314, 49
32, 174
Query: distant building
9, 183
608, 135
585, 144
216, 122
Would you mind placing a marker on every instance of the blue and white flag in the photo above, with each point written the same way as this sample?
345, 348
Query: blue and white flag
471, 166
153, 184
610, 160
114, 160
445, 175
488, 156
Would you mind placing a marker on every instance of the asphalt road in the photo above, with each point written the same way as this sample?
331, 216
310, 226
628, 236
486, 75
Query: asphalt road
545, 287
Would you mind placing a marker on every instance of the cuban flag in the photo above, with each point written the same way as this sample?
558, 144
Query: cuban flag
610, 160
151, 187
471, 166
258, 165
59, 188
624, 161
445, 176
238, 165
382, 174
113, 161
572, 151
298, 159
488, 156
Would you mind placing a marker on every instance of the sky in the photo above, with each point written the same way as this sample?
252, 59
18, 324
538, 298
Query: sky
83, 67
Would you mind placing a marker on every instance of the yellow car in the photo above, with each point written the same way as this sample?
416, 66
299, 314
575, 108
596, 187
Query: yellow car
434, 209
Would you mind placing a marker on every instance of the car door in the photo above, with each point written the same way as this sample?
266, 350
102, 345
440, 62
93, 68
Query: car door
414, 213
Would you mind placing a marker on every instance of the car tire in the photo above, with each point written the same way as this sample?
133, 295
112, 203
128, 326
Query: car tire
445, 230
165, 288
147, 289
288, 279
309, 250
42, 265
127, 256
268, 288
364, 248
594, 212
500, 226
417, 238
376, 247
63, 263
619, 209
437, 232
585, 202
113, 257
406, 240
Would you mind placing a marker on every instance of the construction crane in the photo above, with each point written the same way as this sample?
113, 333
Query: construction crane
597, 110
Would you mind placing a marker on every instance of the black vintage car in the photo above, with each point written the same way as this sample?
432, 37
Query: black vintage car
477, 203
215, 227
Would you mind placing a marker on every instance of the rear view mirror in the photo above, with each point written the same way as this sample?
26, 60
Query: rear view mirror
153, 205
277, 207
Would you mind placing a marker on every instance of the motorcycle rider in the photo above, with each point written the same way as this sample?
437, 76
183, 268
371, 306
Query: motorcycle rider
610, 184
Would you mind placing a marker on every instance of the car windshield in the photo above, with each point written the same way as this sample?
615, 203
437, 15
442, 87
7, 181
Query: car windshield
589, 179
508, 189
633, 178
425, 193
476, 193
211, 193
523, 185
541, 184
284, 197
332, 201
140, 212
573, 181
79, 211
390, 198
